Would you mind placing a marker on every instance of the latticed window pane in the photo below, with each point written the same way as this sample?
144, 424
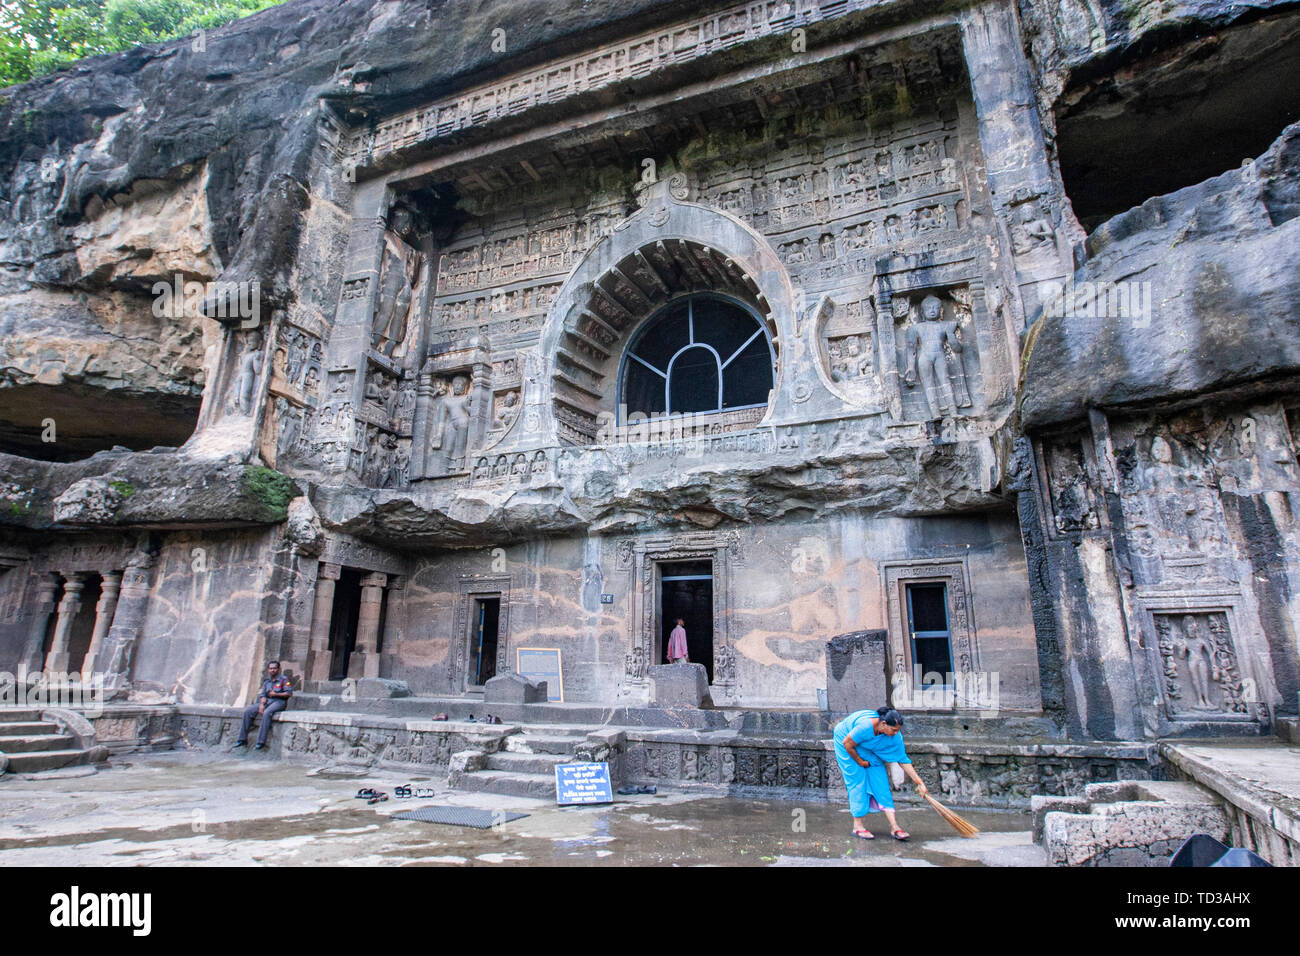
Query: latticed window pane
678, 360
693, 381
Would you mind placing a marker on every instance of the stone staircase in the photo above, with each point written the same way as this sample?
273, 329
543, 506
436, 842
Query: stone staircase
526, 765
31, 744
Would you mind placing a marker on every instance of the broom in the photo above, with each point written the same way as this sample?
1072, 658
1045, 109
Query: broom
963, 827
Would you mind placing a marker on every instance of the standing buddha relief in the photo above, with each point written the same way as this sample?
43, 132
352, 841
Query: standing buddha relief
933, 354
400, 276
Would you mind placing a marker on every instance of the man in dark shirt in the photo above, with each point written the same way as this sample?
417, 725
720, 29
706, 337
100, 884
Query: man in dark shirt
274, 697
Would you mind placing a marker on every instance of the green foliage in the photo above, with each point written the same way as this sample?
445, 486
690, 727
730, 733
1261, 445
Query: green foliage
270, 491
40, 36
123, 488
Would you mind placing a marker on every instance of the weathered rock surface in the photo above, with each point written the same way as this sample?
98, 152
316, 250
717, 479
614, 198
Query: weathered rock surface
125, 489
166, 160
1222, 260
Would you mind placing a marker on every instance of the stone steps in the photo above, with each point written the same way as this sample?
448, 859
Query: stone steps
27, 728
12, 715
543, 743
526, 765
516, 762
46, 760
540, 786
31, 743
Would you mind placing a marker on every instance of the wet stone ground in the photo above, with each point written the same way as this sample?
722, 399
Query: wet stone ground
199, 808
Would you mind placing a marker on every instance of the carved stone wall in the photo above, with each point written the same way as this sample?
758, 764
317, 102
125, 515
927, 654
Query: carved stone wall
1191, 506
779, 594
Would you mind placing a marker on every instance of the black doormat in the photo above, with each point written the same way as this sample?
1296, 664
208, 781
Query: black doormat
460, 816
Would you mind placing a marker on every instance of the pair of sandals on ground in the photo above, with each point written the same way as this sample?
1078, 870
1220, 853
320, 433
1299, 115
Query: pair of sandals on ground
898, 833
371, 795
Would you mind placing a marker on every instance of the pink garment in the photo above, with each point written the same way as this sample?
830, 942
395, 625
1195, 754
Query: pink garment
677, 644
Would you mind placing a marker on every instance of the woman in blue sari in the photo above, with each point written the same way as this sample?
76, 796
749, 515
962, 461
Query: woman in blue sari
864, 742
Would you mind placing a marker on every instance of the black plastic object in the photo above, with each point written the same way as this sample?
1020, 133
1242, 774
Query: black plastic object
1240, 856
1199, 849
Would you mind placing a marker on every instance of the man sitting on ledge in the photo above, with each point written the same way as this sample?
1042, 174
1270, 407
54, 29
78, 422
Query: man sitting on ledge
274, 698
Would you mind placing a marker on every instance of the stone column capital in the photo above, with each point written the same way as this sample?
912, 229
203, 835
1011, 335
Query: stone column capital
328, 571
46, 584
73, 583
376, 579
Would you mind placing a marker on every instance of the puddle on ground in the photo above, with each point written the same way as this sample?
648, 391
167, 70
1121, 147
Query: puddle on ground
321, 825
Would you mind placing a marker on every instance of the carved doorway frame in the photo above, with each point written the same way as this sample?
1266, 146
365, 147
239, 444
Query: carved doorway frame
645, 559
965, 649
470, 587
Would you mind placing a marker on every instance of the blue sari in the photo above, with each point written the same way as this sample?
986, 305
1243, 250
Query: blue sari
868, 786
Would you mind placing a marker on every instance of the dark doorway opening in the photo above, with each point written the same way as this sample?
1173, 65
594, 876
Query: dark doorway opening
927, 617
83, 625
686, 592
343, 622
483, 640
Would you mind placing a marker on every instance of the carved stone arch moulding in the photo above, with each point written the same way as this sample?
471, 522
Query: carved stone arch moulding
469, 587
668, 249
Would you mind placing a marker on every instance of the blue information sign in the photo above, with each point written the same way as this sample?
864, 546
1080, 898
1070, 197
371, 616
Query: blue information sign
582, 783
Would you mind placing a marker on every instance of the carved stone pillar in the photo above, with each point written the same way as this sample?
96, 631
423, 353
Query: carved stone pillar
364, 661
420, 425
115, 657
57, 660
104, 611
47, 585
318, 651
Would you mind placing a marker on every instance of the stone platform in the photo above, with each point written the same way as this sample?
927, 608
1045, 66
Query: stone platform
1259, 786
697, 750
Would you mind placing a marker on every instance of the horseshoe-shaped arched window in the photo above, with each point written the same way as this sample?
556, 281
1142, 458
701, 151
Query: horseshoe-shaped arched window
703, 353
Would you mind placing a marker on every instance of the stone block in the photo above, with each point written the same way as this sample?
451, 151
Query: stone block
1288, 728
855, 671
464, 762
514, 689
680, 685
380, 688
1130, 833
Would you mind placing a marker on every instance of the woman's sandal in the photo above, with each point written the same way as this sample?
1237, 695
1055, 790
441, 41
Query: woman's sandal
864, 834
365, 794
378, 798
402, 792
897, 831
424, 793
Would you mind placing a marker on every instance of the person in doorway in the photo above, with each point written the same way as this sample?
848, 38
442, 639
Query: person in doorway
865, 741
677, 644
276, 691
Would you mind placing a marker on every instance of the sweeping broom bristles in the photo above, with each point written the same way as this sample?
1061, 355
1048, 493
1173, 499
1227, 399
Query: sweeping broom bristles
957, 823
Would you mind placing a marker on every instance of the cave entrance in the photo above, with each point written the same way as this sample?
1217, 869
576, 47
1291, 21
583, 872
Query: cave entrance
686, 592
483, 640
343, 621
